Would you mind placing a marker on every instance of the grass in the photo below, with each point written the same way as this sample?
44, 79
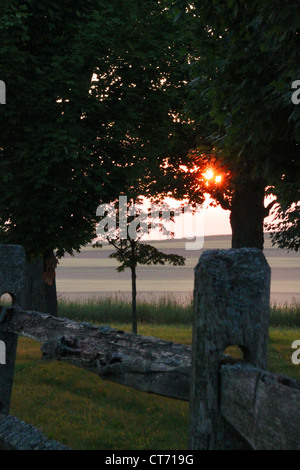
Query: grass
165, 310
115, 308
287, 314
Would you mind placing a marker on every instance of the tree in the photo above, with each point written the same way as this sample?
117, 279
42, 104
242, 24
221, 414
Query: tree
47, 165
243, 62
123, 229
130, 253
66, 140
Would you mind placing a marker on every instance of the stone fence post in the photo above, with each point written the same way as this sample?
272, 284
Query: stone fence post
12, 281
231, 302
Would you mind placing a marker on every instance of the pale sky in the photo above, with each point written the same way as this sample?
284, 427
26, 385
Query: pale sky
210, 221
216, 221
207, 221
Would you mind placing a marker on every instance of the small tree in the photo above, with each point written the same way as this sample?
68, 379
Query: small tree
131, 251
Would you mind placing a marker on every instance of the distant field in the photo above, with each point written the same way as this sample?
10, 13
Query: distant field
92, 273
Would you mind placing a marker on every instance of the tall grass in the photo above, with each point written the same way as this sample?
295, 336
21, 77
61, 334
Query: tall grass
164, 310
115, 309
285, 315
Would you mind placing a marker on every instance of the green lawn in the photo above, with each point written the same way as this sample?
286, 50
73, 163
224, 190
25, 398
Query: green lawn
85, 412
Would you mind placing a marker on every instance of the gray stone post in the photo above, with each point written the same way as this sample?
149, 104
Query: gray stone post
231, 302
12, 281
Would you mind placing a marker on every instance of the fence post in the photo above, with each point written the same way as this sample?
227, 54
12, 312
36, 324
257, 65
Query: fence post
231, 302
12, 281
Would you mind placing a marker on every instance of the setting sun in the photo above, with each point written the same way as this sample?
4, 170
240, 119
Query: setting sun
209, 174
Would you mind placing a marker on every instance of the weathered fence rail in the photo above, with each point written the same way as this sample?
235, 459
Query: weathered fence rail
144, 363
232, 405
263, 407
17, 435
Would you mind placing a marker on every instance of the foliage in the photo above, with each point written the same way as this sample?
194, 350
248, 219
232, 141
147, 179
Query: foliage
244, 58
49, 169
91, 90
163, 310
130, 253
116, 308
246, 66
286, 228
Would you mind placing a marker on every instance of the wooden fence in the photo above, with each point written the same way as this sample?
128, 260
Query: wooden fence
232, 405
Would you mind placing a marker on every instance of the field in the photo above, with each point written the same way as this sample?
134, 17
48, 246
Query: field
92, 273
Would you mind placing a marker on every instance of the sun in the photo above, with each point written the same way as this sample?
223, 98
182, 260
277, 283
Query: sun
209, 174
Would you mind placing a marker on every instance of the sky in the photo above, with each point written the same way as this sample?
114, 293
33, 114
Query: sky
216, 221
207, 221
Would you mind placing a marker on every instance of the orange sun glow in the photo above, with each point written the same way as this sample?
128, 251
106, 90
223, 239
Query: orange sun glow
210, 174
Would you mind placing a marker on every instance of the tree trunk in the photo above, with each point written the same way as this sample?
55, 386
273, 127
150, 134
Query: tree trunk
134, 310
40, 291
34, 298
51, 298
247, 216
50, 263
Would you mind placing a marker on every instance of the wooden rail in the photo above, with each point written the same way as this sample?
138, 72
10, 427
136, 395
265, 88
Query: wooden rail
263, 407
17, 435
144, 363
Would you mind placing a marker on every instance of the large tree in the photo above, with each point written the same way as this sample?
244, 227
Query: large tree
48, 165
91, 92
244, 58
